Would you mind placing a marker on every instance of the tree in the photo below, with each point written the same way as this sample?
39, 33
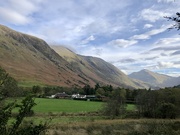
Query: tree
8, 85
97, 86
37, 90
176, 20
88, 90
17, 127
167, 110
100, 92
163, 103
115, 106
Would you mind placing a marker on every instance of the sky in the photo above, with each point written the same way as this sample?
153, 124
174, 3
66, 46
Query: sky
131, 34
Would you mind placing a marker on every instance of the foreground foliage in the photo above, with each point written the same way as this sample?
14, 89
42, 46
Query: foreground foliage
18, 127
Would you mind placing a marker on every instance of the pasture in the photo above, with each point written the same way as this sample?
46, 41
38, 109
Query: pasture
45, 105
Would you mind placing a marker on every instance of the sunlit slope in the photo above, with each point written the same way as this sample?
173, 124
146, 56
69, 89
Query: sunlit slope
30, 59
96, 70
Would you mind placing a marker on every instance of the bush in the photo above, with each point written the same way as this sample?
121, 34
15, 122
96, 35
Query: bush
18, 127
167, 110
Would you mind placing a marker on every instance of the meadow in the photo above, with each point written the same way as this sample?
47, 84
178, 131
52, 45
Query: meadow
45, 105
48, 105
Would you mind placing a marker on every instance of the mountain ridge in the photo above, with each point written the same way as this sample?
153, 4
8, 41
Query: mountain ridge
87, 64
28, 58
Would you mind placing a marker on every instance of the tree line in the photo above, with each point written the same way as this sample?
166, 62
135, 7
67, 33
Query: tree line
163, 103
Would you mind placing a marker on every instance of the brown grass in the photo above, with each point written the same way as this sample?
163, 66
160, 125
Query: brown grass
118, 127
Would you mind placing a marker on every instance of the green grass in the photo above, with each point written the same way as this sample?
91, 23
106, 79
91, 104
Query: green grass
64, 105
45, 105
131, 107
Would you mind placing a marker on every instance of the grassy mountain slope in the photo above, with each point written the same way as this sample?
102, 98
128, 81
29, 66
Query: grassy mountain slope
96, 69
30, 59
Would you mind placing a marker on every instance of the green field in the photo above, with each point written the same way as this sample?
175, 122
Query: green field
64, 105
45, 105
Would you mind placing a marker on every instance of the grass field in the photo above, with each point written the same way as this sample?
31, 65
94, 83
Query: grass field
69, 106
64, 105
45, 105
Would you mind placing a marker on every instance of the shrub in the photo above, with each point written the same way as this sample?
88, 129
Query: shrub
18, 127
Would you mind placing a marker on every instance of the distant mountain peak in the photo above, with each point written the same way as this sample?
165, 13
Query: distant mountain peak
146, 70
154, 79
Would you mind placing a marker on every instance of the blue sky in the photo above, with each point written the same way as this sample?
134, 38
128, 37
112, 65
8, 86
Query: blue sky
131, 34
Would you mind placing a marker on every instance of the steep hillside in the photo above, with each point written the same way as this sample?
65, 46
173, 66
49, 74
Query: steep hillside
155, 79
96, 69
31, 60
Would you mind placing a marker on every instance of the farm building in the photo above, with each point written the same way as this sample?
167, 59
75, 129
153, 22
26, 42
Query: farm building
61, 95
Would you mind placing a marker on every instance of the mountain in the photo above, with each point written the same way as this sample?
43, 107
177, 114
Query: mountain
155, 79
32, 61
96, 69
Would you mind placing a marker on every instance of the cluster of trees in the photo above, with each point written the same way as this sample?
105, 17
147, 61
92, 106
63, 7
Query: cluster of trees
9, 88
164, 103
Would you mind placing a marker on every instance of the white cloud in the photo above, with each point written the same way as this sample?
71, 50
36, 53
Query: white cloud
148, 34
87, 40
24, 7
8, 15
141, 36
166, 1
18, 12
153, 15
168, 41
147, 26
165, 64
122, 42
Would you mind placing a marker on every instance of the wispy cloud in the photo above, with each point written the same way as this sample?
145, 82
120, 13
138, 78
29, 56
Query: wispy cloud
147, 35
87, 40
153, 15
122, 42
18, 12
167, 1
